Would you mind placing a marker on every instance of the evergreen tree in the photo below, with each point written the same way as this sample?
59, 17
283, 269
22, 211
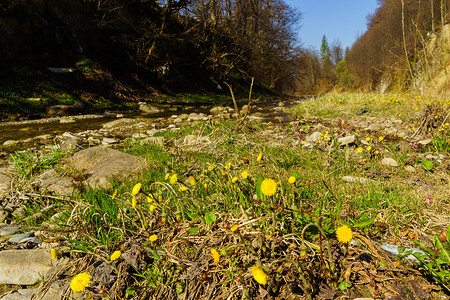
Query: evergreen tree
324, 49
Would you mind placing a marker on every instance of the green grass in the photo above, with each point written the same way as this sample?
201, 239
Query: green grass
441, 144
274, 232
29, 163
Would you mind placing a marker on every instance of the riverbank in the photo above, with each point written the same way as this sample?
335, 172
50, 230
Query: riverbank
218, 208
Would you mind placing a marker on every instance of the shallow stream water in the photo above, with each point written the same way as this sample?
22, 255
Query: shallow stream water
23, 130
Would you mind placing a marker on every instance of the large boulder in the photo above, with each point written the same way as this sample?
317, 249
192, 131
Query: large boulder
5, 182
101, 165
24, 267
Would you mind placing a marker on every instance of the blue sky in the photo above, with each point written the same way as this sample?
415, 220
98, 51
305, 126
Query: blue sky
339, 20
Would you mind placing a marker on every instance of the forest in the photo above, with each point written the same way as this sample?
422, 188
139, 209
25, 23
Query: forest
139, 47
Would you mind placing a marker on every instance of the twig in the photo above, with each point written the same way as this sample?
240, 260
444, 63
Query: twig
234, 101
377, 294
249, 102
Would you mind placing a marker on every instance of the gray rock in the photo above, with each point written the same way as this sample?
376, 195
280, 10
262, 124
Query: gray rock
401, 134
257, 114
5, 182
47, 174
33, 240
63, 186
68, 135
355, 179
431, 157
150, 109
373, 127
59, 110
93, 141
389, 162
10, 143
18, 238
364, 142
23, 294
217, 110
195, 117
119, 122
346, 140
306, 144
4, 231
255, 119
55, 291
362, 111
183, 117
410, 169
44, 136
390, 131
105, 164
109, 141
314, 137
71, 144
67, 120
24, 267
139, 135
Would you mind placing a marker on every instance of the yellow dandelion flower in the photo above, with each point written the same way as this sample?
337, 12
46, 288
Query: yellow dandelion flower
228, 166
192, 180
260, 156
205, 186
368, 139
381, 138
291, 180
152, 208
167, 176
173, 179
153, 238
160, 199
114, 195
244, 174
133, 202
259, 275
136, 188
234, 227
344, 234
399, 115
269, 187
182, 189
150, 198
377, 152
80, 282
234, 179
215, 254
115, 255
53, 253
210, 168
359, 149
369, 148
